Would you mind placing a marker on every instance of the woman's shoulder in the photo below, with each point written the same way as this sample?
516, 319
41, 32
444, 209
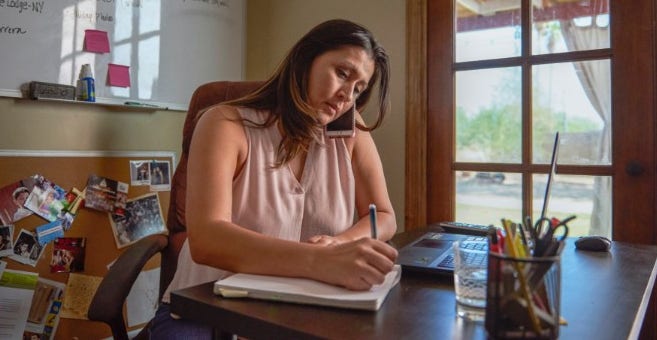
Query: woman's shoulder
219, 120
222, 111
235, 113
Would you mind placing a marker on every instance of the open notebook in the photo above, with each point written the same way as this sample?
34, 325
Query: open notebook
305, 291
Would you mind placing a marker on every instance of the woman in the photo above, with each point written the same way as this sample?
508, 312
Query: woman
23, 249
20, 197
5, 239
267, 193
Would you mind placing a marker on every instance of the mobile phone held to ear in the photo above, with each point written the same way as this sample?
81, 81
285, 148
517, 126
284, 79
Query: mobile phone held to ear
344, 126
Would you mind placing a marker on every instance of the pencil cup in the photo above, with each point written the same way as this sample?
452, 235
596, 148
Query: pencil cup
523, 297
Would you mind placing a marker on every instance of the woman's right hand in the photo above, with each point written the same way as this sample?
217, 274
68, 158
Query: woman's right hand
355, 265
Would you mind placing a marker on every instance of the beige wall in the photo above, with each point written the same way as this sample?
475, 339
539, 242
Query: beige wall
36, 125
273, 26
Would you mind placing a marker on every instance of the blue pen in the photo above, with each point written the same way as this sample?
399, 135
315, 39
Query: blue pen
373, 220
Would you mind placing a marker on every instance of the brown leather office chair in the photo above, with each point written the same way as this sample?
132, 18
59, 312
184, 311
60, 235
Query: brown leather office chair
107, 304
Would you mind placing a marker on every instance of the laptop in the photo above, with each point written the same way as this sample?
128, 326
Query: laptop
433, 251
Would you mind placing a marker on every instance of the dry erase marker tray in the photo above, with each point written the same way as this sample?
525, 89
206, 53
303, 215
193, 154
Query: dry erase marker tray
99, 102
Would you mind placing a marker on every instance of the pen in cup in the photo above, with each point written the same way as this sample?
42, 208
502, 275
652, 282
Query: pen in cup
373, 220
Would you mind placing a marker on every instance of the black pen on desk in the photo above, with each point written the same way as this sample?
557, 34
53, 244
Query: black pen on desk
373, 220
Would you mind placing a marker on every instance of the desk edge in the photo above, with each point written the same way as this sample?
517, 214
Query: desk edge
643, 307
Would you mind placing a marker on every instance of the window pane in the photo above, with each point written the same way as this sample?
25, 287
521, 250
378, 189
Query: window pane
570, 26
587, 197
485, 198
574, 99
487, 30
488, 118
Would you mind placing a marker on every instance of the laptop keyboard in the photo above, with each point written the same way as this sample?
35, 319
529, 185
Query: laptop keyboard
476, 243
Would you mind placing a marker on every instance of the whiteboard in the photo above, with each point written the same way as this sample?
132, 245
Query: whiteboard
170, 46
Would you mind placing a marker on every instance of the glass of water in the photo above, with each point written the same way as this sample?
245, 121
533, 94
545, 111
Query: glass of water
470, 273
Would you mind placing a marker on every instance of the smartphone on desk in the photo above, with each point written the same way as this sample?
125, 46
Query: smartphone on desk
344, 126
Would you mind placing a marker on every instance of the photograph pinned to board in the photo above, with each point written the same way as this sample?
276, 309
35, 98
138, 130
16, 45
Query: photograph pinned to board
140, 172
26, 248
47, 199
72, 202
43, 317
68, 255
106, 194
6, 240
160, 175
12, 201
143, 217
75, 197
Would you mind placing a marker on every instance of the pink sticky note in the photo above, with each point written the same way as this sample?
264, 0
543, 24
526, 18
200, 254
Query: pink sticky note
96, 41
118, 75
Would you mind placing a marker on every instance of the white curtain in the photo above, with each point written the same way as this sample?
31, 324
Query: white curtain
595, 77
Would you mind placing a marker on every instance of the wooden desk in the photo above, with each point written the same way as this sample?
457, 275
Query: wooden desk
603, 296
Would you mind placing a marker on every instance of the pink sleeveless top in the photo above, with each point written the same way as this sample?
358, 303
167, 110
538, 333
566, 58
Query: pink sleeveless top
273, 202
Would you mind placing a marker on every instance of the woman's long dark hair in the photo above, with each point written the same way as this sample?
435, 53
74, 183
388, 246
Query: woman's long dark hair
284, 94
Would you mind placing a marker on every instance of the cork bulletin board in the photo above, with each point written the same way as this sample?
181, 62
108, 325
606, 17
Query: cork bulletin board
71, 169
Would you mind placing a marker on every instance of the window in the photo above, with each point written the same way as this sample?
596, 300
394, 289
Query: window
501, 78
557, 62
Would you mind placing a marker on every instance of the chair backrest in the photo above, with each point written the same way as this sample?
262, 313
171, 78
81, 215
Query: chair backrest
205, 96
